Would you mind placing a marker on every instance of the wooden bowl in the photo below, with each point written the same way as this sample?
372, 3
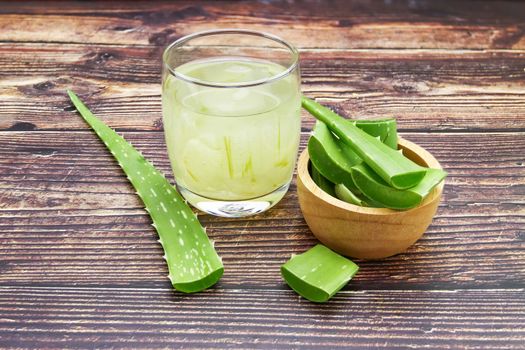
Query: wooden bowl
361, 232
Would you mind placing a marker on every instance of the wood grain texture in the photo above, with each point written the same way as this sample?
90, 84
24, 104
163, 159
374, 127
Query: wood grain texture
79, 263
154, 318
337, 24
70, 194
425, 90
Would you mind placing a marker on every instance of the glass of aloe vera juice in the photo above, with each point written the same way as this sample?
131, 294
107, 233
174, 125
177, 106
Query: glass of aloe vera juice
231, 111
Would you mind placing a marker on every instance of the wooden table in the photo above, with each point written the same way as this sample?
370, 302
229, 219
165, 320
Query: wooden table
79, 263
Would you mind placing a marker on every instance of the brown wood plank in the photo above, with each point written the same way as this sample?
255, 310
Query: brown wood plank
69, 216
425, 90
160, 318
340, 24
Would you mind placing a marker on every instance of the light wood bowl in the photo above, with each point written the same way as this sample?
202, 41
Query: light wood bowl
361, 232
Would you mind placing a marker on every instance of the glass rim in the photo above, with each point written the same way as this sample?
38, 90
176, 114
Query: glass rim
291, 67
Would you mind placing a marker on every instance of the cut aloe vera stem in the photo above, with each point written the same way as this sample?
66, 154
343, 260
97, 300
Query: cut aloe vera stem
322, 182
318, 273
193, 263
373, 187
333, 159
344, 194
394, 168
385, 129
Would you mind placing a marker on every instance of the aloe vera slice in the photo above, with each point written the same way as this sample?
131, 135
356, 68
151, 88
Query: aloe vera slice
322, 182
385, 129
333, 159
344, 194
192, 261
373, 187
318, 273
397, 170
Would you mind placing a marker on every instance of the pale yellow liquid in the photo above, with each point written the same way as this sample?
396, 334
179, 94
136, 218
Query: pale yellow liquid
232, 143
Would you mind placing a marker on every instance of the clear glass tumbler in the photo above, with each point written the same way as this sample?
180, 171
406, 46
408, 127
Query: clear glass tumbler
231, 108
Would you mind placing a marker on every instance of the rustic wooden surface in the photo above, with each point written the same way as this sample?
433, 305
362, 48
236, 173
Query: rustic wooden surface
79, 263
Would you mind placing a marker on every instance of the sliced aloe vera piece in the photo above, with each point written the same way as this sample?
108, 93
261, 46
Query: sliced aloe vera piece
318, 273
385, 129
333, 159
394, 168
344, 194
322, 182
193, 263
373, 187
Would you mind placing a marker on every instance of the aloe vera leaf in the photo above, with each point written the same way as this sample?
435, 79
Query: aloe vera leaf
322, 182
344, 194
394, 168
318, 273
193, 263
333, 159
373, 187
385, 129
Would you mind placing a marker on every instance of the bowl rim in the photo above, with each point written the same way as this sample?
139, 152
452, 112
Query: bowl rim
309, 184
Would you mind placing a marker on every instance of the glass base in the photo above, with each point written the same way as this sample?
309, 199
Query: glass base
234, 209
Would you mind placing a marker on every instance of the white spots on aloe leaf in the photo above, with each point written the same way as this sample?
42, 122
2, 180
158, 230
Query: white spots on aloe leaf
344, 267
181, 241
192, 271
208, 264
172, 223
168, 191
153, 192
184, 215
180, 231
163, 207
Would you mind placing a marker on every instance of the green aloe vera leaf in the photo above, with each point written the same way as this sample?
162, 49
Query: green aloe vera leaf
373, 187
385, 129
322, 182
332, 158
318, 273
344, 194
193, 263
394, 168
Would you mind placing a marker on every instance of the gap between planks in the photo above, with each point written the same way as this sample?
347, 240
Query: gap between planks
241, 290
305, 50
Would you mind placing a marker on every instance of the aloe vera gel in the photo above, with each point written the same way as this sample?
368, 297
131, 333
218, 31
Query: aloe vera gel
232, 128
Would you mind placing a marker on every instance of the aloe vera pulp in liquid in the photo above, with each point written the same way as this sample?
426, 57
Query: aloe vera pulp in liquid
232, 143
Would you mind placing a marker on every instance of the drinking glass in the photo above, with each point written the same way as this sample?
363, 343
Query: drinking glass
231, 109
